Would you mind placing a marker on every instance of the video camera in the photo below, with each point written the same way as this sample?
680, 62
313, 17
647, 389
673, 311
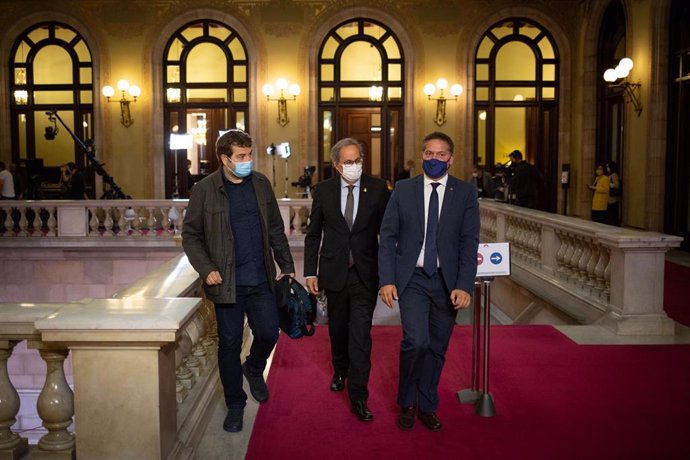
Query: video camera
304, 180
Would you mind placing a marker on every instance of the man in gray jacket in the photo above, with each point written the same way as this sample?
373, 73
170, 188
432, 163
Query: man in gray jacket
232, 232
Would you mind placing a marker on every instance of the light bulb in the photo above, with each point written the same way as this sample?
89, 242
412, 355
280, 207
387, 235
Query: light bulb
267, 90
135, 91
123, 85
108, 91
281, 84
456, 89
294, 89
429, 89
442, 83
610, 75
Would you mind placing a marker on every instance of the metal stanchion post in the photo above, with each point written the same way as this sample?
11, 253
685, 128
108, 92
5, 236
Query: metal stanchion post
485, 405
471, 395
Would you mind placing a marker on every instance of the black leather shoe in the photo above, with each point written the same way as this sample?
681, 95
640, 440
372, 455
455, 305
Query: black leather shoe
233, 421
360, 409
257, 385
406, 417
338, 382
430, 420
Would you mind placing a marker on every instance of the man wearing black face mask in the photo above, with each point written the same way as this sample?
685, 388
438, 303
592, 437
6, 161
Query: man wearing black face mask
428, 262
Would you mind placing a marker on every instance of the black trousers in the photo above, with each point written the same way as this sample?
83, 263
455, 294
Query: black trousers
350, 311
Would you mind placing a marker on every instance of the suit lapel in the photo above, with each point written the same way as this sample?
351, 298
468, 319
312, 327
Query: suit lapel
448, 197
419, 199
335, 195
363, 201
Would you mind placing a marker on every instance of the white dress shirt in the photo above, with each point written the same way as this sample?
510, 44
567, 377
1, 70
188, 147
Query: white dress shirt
355, 195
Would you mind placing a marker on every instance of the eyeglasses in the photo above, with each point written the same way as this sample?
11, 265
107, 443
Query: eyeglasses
440, 155
358, 161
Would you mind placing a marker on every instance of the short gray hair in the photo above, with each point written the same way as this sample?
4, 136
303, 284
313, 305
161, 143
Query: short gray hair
335, 151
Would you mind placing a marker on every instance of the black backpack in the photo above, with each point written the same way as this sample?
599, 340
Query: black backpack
296, 308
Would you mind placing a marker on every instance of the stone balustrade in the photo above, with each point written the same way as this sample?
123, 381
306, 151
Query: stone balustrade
135, 356
594, 272
118, 219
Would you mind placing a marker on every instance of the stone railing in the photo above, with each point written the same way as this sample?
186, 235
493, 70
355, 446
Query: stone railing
594, 272
144, 369
119, 219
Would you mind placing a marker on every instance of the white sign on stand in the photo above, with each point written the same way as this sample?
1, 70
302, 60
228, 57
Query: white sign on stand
493, 259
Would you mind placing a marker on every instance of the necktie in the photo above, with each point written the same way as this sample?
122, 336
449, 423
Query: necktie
349, 217
430, 250
349, 206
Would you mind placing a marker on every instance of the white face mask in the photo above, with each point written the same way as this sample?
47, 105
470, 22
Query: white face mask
352, 173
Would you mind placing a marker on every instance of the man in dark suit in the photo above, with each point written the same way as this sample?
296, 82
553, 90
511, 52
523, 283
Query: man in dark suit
342, 237
428, 262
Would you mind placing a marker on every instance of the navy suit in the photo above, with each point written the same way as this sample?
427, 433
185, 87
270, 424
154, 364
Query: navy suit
426, 311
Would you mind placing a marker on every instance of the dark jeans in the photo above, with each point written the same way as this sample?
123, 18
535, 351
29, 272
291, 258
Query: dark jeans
259, 303
428, 318
350, 311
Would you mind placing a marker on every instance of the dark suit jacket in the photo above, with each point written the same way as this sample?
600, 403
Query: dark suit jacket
208, 241
327, 222
402, 234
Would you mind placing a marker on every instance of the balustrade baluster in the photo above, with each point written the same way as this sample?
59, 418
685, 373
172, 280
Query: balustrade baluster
121, 222
11, 444
37, 223
600, 285
56, 404
23, 223
52, 221
151, 222
108, 222
93, 222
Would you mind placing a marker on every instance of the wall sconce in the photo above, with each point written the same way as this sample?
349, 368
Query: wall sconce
124, 87
441, 84
621, 73
283, 86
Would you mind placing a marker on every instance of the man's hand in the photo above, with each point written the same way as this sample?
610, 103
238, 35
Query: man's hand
388, 294
460, 299
280, 275
214, 278
313, 285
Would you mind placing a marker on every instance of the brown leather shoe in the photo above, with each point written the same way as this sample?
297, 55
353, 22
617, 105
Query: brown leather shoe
406, 417
430, 420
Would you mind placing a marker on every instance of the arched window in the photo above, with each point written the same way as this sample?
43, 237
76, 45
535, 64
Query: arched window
360, 94
50, 70
205, 84
516, 99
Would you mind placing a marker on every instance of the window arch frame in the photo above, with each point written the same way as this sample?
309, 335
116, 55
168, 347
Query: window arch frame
82, 105
231, 105
385, 104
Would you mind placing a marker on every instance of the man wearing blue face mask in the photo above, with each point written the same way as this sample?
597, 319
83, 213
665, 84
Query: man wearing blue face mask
232, 233
340, 257
427, 263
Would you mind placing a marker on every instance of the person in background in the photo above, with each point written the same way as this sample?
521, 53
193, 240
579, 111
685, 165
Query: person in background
407, 171
73, 185
600, 198
428, 262
233, 236
499, 183
526, 182
6, 183
482, 181
343, 240
615, 192
19, 178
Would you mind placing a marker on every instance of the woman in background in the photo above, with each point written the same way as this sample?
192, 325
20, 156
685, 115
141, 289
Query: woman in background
600, 199
614, 193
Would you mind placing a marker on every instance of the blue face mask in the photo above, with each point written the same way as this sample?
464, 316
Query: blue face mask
243, 169
435, 168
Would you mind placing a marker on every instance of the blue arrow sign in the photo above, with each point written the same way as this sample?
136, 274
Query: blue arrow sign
496, 258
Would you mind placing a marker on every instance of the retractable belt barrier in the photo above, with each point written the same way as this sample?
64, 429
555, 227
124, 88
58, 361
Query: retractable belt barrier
493, 259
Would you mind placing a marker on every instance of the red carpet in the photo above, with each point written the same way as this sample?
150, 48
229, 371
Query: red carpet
676, 304
554, 400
